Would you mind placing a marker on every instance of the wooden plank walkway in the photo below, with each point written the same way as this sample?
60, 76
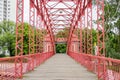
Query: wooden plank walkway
60, 67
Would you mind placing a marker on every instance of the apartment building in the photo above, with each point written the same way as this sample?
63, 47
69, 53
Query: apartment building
4, 10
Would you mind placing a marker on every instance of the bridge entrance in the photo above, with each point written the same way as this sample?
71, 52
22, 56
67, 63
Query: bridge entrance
61, 48
60, 45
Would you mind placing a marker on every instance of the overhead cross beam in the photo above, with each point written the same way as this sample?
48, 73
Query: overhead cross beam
47, 18
59, 14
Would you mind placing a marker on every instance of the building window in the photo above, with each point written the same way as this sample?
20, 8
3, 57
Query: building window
8, 8
8, 1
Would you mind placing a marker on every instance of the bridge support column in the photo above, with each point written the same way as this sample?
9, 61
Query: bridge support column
19, 38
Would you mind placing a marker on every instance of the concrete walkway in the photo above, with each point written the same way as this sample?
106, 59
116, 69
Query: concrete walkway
60, 67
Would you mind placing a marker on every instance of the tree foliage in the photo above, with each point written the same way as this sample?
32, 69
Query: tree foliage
63, 33
7, 36
112, 28
60, 48
26, 39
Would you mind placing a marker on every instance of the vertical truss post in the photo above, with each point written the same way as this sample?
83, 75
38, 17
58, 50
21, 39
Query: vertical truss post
83, 33
41, 36
77, 18
80, 20
19, 38
100, 36
38, 34
89, 28
81, 49
41, 40
31, 32
81, 46
31, 28
37, 41
100, 27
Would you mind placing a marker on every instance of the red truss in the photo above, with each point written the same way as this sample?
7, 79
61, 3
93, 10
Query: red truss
19, 37
89, 28
46, 19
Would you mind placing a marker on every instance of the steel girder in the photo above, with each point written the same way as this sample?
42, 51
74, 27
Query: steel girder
100, 37
51, 15
59, 16
19, 37
72, 15
37, 8
100, 27
83, 13
31, 28
39, 39
31, 36
89, 28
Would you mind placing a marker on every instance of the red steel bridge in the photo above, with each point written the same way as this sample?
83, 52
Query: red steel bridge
46, 19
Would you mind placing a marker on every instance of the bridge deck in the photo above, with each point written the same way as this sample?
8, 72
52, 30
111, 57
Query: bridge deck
60, 67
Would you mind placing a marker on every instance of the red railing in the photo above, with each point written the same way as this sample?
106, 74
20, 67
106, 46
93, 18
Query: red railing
29, 62
105, 68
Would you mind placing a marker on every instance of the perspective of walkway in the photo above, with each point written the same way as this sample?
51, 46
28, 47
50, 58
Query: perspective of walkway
60, 67
73, 26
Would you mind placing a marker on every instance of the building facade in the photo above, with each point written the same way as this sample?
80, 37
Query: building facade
4, 10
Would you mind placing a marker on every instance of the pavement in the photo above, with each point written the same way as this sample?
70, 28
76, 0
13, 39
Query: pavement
60, 67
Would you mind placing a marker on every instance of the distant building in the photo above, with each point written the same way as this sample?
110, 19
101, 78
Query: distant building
10, 10
5, 10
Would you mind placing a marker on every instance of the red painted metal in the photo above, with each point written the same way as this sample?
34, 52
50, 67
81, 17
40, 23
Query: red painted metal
31, 60
100, 27
89, 28
19, 38
100, 37
110, 66
7, 65
31, 33
39, 36
83, 35
80, 29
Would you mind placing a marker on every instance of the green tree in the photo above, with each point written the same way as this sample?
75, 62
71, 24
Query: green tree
7, 36
60, 48
26, 39
112, 28
63, 33
37, 33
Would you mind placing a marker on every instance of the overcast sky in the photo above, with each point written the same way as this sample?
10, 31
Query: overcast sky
13, 10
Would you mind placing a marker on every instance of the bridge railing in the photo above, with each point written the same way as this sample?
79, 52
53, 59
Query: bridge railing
7, 68
29, 62
105, 68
